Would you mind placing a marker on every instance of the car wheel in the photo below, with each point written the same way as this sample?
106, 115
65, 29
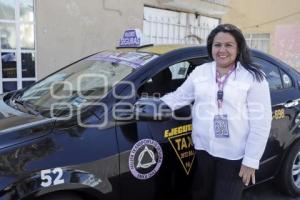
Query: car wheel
289, 177
61, 196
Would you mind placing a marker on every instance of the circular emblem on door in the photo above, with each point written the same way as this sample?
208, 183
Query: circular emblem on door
145, 159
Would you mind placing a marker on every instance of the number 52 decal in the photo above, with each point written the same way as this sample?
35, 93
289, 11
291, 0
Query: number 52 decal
52, 177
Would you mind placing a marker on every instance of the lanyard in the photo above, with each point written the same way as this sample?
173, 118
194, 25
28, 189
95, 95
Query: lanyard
221, 84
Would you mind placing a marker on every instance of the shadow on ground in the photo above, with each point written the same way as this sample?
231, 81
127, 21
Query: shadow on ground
265, 191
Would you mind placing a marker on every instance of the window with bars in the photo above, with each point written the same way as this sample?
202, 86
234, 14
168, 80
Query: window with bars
171, 27
17, 33
260, 41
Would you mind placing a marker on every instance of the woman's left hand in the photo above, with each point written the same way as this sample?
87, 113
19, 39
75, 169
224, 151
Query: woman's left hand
247, 174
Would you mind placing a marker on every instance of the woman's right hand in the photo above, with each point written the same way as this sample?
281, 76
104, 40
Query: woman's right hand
247, 174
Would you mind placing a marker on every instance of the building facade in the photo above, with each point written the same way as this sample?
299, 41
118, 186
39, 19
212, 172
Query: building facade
40, 36
271, 26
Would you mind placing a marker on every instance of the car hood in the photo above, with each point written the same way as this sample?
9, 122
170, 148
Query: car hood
17, 126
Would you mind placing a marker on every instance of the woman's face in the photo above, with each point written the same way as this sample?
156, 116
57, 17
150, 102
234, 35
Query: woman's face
224, 49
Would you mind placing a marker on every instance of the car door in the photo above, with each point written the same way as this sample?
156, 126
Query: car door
174, 135
171, 145
283, 91
140, 156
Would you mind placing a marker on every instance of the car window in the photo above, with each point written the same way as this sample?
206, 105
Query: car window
272, 72
286, 80
169, 79
164, 81
179, 70
84, 82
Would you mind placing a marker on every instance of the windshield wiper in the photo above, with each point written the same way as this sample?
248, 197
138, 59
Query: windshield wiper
26, 106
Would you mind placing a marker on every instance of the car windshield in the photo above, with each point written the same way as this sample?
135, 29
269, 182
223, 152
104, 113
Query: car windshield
83, 82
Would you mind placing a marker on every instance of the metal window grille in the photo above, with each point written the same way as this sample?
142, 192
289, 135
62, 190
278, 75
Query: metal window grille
171, 27
17, 31
260, 41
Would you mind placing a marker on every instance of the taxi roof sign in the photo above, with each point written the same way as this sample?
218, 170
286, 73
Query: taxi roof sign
132, 38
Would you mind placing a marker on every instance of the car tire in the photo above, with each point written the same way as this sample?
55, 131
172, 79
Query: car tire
289, 176
61, 196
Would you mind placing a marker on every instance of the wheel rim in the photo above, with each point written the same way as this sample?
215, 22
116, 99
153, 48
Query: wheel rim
296, 170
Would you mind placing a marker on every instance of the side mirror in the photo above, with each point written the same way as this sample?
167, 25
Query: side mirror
145, 109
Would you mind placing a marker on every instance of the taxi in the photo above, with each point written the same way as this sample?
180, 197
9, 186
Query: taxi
96, 129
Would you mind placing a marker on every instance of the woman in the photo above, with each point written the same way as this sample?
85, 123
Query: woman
231, 116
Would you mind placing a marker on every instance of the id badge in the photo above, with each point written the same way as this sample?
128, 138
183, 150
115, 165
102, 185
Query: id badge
221, 126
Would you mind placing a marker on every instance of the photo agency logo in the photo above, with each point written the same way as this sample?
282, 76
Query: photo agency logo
72, 98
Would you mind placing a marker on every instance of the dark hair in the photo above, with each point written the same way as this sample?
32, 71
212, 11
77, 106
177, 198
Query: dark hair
243, 56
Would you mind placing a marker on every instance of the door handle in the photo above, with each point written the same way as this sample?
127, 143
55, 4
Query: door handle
291, 103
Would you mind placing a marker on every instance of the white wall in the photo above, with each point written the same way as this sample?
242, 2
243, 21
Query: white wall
67, 30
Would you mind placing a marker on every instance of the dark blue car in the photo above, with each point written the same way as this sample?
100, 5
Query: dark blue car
96, 129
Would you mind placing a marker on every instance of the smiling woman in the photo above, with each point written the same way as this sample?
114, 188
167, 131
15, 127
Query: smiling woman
224, 51
229, 132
